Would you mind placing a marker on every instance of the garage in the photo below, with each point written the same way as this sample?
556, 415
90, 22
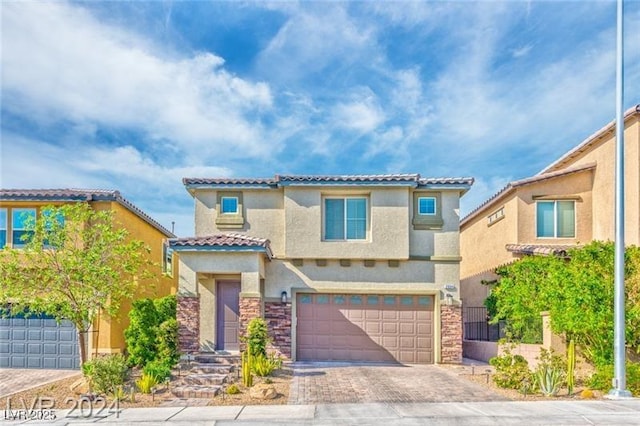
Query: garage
365, 327
38, 341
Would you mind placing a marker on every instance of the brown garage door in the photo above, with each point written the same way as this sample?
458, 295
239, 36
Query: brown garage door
365, 327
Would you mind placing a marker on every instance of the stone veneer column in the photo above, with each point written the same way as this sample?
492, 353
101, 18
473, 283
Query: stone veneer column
188, 317
451, 334
250, 308
278, 318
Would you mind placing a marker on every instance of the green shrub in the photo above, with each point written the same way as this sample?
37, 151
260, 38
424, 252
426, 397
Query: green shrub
106, 373
167, 342
153, 332
140, 336
601, 379
512, 371
146, 382
233, 389
159, 369
257, 337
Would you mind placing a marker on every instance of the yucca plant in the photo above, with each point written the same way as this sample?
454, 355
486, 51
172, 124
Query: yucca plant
146, 382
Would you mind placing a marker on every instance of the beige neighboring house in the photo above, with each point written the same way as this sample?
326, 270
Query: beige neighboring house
570, 202
358, 268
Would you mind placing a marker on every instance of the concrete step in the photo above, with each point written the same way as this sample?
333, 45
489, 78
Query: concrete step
205, 379
216, 358
207, 368
196, 391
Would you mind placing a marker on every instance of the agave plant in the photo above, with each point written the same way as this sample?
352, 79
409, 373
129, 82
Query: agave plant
549, 380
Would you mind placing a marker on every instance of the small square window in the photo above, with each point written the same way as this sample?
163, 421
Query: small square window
424, 300
406, 300
356, 300
229, 205
305, 299
389, 300
322, 299
427, 206
338, 299
372, 300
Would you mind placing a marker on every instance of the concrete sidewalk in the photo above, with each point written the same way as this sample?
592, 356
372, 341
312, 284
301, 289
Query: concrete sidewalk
619, 412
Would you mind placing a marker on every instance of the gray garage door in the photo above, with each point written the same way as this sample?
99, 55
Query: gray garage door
38, 341
365, 327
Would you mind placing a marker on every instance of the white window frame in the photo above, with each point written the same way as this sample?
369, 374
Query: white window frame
555, 219
229, 198
167, 259
435, 206
345, 198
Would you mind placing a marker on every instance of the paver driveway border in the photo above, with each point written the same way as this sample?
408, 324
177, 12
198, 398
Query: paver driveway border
340, 382
13, 380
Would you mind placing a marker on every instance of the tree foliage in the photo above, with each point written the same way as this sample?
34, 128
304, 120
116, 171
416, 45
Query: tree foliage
75, 264
577, 292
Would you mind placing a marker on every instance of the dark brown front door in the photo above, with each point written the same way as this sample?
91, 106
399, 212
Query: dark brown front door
228, 315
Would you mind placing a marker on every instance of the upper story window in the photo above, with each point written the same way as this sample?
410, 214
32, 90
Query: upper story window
556, 219
345, 218
229, 210
3, 228
427, 210
20, 219
496, 216
167, 259
229, 205
427, 206
50, 223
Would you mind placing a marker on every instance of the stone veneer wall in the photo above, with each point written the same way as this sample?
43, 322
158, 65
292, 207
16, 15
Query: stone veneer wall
451, 332
278, 318
250, 308
188, 316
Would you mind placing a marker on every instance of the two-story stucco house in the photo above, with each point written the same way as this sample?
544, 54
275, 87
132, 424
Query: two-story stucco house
38, 341
570, 202
341, 267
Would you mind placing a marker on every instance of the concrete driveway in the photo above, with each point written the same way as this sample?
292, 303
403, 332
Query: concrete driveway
14, 380
322, 383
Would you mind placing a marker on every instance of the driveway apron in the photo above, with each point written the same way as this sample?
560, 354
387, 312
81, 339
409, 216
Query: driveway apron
14, 380
322, 383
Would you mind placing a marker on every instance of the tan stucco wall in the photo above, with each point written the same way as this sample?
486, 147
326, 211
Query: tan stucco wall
388, 236
263, 211
603, 183
483, 246
441, 242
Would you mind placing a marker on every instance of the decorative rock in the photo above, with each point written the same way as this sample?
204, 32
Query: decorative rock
263, 391
80, 386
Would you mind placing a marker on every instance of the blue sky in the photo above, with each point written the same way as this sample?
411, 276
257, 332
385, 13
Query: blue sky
136, 95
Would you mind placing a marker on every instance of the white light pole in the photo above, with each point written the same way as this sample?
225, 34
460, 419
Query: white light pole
619, 379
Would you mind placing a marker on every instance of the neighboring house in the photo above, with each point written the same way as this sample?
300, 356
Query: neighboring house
38, 341
570, 202
341, 267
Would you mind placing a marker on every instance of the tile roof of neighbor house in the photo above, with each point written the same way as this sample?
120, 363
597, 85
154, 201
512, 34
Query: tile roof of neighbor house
511, 186
540, 249
413, 179
80, 195
231, 241
587, 143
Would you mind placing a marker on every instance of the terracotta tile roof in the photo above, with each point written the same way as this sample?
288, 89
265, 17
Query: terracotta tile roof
228, 181
223, 241
522, 182
587, 143
541, 249
88, 195
411, 179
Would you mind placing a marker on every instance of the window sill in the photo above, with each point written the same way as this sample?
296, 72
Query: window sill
230, 222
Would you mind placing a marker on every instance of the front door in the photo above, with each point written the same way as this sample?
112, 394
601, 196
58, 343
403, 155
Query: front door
228, 315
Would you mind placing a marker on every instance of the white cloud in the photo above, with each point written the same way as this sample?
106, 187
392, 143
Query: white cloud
59, 62
362, 113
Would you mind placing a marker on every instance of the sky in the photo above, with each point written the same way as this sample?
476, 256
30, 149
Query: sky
136, 95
